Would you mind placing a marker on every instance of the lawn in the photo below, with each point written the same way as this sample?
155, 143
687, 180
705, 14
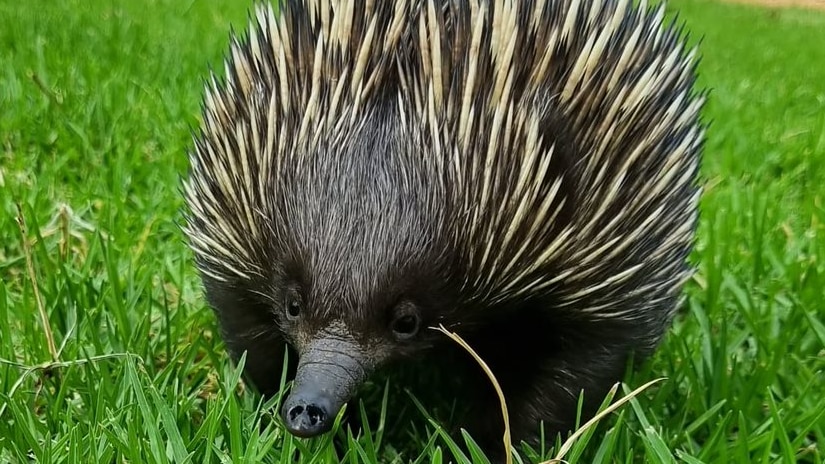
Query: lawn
97, 99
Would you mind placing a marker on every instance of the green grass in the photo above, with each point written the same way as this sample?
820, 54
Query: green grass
96, 101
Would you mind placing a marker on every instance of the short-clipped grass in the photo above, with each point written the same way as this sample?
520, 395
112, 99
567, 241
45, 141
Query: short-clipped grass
96, 103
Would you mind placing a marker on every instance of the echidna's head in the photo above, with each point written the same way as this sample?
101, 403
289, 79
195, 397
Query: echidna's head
356, 268
345, 268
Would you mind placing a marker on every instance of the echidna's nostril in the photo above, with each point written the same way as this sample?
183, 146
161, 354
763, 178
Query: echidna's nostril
315, 414
295, 412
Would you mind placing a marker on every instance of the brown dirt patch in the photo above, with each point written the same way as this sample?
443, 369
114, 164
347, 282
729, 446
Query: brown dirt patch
811, 4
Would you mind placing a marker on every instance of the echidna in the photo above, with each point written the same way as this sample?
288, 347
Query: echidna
521, 172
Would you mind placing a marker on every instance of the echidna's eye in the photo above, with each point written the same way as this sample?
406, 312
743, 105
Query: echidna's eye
405, 325
293, 307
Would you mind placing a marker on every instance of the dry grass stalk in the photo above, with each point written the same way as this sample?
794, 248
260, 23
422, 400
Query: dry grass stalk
507, 440
27, 251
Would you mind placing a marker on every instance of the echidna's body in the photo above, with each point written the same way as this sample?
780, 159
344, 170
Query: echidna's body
521, 172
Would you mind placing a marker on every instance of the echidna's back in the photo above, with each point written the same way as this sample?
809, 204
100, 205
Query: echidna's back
571, 135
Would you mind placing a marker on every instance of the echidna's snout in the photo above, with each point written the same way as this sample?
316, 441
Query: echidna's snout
330, 370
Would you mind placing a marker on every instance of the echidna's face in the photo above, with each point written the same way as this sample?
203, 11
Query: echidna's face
344, 328
351, 278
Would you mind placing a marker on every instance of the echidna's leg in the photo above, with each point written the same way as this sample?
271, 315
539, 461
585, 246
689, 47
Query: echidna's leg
552, 397
247, 327
543, 362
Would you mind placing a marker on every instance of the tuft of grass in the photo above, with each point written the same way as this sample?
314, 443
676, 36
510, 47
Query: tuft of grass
97, 99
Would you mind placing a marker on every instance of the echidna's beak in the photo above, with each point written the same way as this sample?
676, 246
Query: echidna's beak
329, 372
